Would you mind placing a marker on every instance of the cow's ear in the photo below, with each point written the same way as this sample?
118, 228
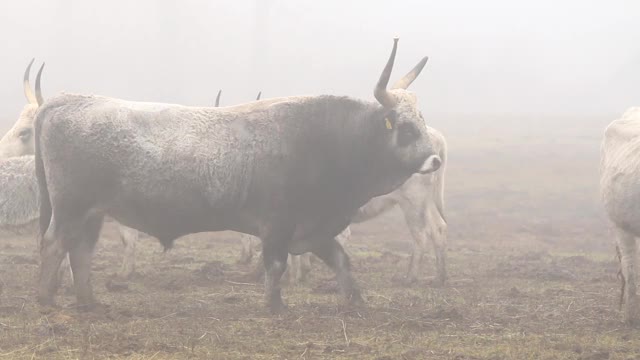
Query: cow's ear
390, 119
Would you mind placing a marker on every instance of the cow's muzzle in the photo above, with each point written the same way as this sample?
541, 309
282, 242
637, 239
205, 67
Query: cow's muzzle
430, 165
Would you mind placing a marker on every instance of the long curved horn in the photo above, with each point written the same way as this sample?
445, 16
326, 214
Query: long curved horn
258, 97
39, 98
218, 98
380, 92
411, 75
27, 87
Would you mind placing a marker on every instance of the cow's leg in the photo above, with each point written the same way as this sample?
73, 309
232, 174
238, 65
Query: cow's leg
80, 254
305, 266
344, 237
65, 269
415, 216
299, 268
52, 252
629, 262
295, 271
332, 253
438, 234
129, 238
275, 254
247, 249
258, 272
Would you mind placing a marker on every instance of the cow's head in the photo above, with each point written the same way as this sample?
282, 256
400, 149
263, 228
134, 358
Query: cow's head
404, 125
20, 139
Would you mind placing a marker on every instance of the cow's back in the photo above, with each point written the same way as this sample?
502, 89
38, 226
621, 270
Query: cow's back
620, 171
140, 162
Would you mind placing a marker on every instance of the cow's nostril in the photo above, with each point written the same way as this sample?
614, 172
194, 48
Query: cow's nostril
435, 163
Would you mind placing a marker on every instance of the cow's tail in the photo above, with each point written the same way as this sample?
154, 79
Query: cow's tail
438, 181
45, 201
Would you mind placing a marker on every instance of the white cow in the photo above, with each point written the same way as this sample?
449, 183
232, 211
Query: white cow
620, 191
421, 200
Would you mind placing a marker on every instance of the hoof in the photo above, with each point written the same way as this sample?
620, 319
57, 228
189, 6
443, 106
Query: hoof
46, 301
355, 299
123, 276
632, 322
93, 306
409, 280
244, 260
436, 282
277, 309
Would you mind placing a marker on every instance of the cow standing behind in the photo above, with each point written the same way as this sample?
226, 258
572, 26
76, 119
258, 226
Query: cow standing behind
422, 203
291, 171
620, 191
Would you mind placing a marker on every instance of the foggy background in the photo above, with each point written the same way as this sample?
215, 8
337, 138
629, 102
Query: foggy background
521, 90
487, 58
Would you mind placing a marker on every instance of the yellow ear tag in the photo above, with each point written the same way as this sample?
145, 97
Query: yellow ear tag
388, 123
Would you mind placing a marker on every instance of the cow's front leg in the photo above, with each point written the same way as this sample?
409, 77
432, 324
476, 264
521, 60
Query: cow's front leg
332, 253
275, 254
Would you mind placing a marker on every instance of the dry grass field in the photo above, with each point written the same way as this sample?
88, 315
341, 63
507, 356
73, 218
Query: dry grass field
531, 264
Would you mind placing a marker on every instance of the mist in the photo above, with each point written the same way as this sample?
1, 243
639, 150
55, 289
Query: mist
490, 58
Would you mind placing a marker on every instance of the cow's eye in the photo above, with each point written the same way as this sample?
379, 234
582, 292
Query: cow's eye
407, 134
25, 135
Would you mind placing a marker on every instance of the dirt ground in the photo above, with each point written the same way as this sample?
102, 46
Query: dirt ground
531, 264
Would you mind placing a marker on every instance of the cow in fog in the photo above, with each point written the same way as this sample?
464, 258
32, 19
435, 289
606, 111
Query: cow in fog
620, 191
291, 171
19, 196
19, 201
421, 200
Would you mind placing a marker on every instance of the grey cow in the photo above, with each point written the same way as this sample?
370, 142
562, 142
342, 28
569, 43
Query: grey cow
291, 171
19, 196
620, 190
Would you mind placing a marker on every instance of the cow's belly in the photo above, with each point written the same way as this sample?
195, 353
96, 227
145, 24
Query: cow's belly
167, 219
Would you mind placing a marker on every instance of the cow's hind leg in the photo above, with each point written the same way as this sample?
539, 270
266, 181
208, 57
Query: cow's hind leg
629, 263
299, 267
80, 254
274, 255
52, 252
295, 273
438, 236
247, 249
332, 253
129, 238
417, 223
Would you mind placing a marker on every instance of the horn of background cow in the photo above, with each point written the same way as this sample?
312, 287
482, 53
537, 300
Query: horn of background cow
27, 87
39, 98
411, 75
218, 97
259, 94
380, 92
